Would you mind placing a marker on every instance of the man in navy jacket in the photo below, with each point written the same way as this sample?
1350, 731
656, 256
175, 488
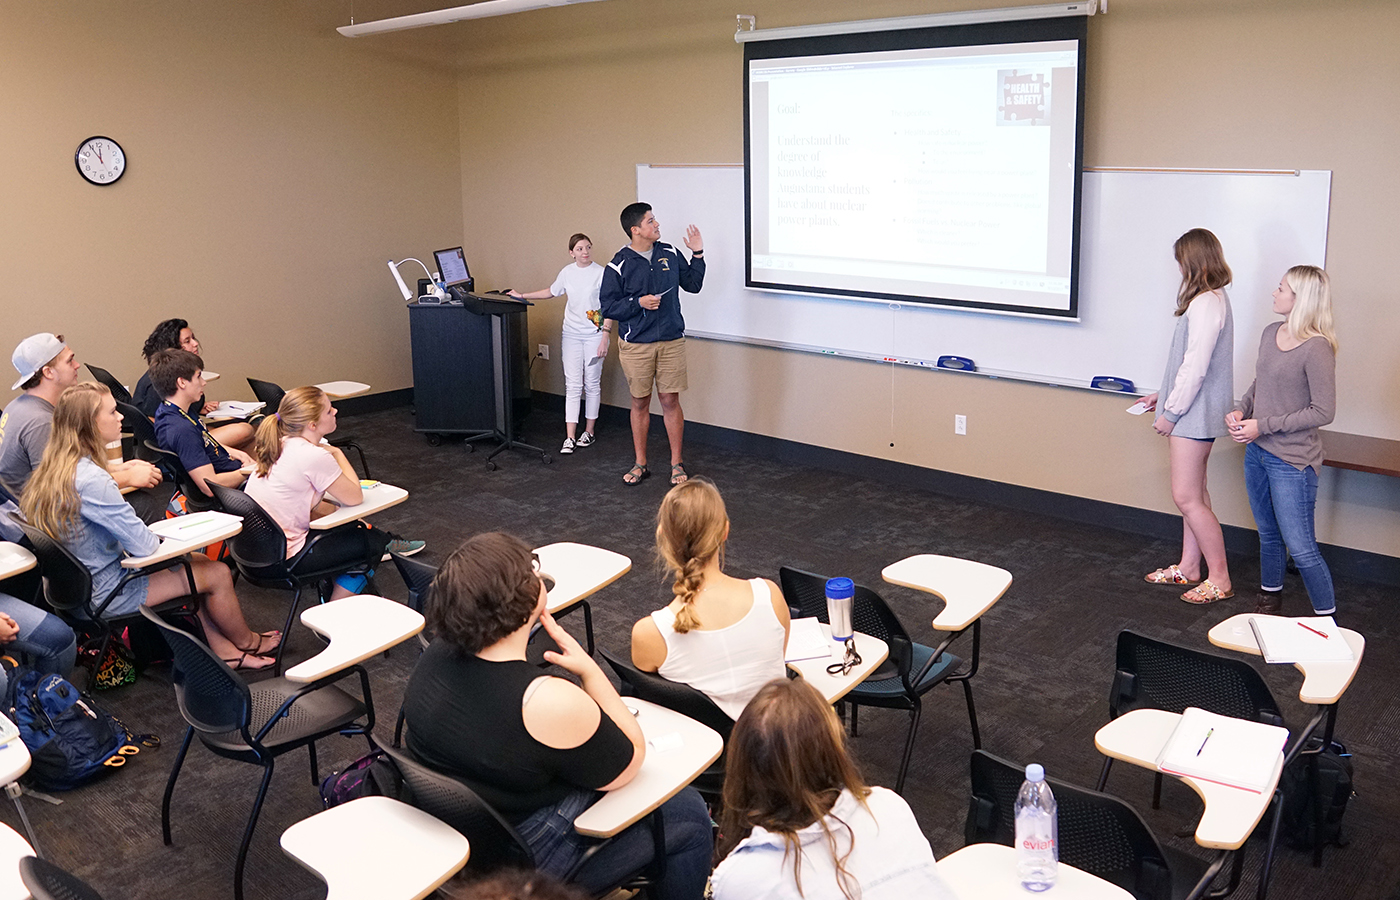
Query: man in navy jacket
641, 292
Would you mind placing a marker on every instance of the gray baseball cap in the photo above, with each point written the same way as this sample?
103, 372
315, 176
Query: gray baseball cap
33, 353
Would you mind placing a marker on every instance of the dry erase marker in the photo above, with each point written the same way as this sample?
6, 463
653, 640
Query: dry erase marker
1203, 743
1313, 630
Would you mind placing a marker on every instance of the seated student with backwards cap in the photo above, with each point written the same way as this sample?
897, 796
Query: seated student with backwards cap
176, 334
178, 375
47, 367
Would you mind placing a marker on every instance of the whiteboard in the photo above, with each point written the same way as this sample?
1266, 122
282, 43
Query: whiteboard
1128, 278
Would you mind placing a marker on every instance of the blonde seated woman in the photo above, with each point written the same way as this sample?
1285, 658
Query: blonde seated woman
723, 636
72, 498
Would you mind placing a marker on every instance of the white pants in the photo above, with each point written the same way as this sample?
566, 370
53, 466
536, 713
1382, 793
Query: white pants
583, 376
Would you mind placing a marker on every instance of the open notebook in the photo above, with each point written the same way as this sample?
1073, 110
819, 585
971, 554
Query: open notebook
1305, 639
1225, 750
191, 527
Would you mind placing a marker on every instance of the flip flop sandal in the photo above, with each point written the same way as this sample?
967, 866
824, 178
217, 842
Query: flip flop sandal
238, 664
274, 636
1204, 593
638, 475
678, 474
1169, 575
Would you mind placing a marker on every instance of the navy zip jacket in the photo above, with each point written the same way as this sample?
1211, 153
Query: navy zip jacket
629, 276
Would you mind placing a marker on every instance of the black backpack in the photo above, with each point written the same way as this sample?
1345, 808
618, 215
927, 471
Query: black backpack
71, 740
1334, 788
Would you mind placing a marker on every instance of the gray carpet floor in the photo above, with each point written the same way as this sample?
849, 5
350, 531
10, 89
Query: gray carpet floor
1042, 692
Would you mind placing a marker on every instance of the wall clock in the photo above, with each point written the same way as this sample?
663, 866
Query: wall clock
100, 160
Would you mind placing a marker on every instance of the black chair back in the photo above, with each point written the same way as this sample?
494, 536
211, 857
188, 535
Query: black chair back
211, 696
494, 841
108, 380
67, 582
1097, 832
142, 433
270, 394
46, 881
195, 499
262, 544
870, 614
1154, 674
682, 698
418, 576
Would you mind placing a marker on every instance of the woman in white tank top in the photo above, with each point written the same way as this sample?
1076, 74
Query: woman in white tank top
721, 635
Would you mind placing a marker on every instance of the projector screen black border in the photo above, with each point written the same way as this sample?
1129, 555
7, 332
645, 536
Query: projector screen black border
1073, 28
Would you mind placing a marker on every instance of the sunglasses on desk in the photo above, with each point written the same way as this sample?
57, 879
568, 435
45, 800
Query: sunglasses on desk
849, 662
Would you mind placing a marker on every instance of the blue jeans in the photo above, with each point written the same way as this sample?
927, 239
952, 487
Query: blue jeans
689, 844
43, 637
1283, 500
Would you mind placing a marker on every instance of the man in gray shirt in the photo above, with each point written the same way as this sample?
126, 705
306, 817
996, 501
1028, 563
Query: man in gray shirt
47, 367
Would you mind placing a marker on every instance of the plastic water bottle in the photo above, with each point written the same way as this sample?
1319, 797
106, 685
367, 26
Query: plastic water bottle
1037, 832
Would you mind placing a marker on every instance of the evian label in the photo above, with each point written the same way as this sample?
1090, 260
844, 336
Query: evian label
1036, 842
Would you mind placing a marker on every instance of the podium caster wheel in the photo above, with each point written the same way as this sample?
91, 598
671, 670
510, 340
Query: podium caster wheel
545, 458
434, 440
490, 466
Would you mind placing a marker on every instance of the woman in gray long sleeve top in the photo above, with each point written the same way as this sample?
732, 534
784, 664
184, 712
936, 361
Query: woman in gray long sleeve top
1294, 392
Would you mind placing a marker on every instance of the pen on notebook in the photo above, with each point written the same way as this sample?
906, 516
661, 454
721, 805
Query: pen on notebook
1203, 743
1313, 630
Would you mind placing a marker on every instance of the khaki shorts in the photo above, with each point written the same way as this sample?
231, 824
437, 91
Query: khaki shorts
662, 362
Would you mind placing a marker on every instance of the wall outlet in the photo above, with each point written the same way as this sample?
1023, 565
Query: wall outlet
544, 351
959, 424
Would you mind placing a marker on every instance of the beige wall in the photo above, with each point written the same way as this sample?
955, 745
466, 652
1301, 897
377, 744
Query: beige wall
585, 94
273, 167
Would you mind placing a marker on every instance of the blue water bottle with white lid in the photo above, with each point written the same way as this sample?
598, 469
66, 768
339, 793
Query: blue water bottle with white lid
840, 598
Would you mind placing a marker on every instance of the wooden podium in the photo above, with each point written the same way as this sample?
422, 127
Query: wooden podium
471, 369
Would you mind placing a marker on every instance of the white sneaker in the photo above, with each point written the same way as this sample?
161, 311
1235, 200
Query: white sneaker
568, 446
584, 440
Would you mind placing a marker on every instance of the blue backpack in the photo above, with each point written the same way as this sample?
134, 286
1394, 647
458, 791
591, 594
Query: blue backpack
70, 739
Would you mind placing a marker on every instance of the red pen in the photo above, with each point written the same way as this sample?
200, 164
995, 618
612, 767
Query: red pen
1313, 630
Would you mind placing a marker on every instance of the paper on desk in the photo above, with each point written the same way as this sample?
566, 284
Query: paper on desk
806, 640
1222, 749
1285, 640
188, 528
664, 743
235, 409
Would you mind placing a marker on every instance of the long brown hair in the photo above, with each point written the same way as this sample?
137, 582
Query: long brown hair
787, 765
299, 408
1203, 267
50, 501
690, 530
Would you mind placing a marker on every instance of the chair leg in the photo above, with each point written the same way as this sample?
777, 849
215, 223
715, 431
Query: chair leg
1103, 774
1267, 869
315, 772
287, 630
855, 732
248, 832
398, 729
908, 748
1157, 791
588, 625
170, 786
972, 715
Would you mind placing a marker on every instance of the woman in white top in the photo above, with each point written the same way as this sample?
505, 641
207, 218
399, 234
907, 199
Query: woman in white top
585, 340
295, 471
800, 821
721, 635
1198, 389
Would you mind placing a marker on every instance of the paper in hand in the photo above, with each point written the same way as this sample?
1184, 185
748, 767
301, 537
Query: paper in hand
1139, 408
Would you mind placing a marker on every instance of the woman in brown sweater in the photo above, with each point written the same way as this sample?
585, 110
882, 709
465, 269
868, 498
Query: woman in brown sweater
1294, 392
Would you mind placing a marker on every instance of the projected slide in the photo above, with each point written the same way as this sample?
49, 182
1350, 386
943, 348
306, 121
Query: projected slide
944, 174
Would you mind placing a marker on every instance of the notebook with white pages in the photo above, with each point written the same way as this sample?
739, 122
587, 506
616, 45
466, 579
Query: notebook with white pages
806, 640
1222, 749
1304, 639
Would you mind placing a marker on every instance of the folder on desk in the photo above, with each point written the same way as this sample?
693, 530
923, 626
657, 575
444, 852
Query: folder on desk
1304, 639
1222, 749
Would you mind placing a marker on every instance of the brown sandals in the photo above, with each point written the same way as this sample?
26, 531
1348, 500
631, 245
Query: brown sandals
1206, 592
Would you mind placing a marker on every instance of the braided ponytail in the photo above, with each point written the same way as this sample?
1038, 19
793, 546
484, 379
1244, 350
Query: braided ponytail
690, 532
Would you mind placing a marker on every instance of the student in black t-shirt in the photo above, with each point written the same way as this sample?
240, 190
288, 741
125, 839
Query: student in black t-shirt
176, 334
536, 747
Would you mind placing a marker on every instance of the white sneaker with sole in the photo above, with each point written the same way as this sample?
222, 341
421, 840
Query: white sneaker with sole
584, 440
568, 446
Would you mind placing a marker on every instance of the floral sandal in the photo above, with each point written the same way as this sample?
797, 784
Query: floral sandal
1169, 575
1206, 592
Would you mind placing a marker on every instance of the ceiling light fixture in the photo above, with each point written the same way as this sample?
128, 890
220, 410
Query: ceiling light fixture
483, 10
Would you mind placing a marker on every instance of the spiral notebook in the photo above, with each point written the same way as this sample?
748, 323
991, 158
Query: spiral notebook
1305, 639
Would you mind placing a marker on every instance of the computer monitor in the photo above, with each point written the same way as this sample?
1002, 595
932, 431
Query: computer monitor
452, 266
